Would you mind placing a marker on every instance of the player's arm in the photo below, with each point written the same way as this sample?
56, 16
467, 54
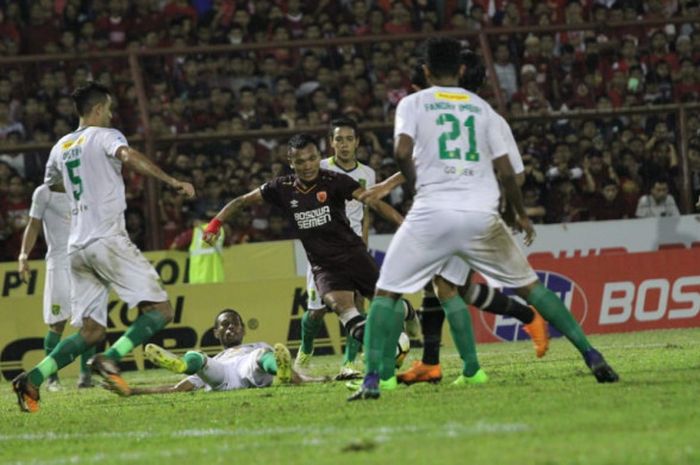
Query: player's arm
31, 233
141, 164
365, 224
384, 188
403, 152
253, 197
384, 209
182, 386
513, 195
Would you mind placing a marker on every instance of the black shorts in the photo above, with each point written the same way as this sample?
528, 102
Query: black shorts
356, 272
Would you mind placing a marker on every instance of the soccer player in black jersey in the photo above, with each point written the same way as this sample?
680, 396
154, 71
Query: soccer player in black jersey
314, 201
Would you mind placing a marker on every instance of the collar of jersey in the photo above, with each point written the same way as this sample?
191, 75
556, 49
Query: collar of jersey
335, 163
300, 187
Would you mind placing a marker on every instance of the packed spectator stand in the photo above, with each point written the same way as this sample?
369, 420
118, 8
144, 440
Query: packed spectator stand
577, 169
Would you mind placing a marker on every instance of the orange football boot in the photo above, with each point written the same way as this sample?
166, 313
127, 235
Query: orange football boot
538, 330
27, 394
421, 373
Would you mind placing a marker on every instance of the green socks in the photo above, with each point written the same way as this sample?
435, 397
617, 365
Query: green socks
309, 329
377, 329
352, 346
268, 363
194, 361
462, 333
51, 340
388, 368
65, 352
139, 332
87, 355
553, 310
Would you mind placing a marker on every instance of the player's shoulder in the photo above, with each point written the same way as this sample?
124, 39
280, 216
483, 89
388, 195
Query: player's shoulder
329, 176
281, 181
41, 192
366, 168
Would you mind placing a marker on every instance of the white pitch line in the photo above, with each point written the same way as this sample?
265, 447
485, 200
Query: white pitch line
454, 428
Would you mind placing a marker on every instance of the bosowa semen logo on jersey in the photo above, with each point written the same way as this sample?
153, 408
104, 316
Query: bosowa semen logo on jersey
509, 329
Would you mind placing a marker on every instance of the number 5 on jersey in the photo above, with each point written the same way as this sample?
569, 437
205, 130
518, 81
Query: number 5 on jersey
72, 167
453, 134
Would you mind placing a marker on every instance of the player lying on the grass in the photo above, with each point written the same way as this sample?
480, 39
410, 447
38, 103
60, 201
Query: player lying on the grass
89, 163
238, 366
50, 209
447, 144
314, 201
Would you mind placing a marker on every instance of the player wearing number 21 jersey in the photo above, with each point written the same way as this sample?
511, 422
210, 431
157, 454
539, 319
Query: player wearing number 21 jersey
447, 143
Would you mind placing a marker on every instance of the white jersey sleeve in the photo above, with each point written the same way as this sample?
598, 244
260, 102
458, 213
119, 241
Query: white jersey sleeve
53, 174
516, 160
405, 119
497, 142
40, 200
112, 140
366, 177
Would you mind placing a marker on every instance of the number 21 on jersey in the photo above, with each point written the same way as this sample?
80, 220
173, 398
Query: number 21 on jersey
452, 133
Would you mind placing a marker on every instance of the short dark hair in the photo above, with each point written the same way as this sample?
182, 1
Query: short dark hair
442, 56
475, 72
299, 141
418, 76
343, 122
88, 95
231, 311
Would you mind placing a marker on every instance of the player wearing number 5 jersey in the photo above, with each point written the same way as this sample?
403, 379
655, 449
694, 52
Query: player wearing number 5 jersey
447, 143
88, 163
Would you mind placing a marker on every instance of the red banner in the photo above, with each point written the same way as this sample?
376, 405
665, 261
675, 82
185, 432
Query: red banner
614, 293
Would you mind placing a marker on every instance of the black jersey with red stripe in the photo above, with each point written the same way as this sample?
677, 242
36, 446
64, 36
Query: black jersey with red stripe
317, 212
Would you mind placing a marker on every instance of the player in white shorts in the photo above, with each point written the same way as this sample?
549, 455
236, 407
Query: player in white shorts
344, 140
447, 143
238, 366
88, 162
50, 211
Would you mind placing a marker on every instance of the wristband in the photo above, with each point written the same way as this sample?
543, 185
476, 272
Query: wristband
213, 226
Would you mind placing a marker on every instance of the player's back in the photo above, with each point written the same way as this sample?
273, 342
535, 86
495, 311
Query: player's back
91, 174
366, 177
456, 136
53, 209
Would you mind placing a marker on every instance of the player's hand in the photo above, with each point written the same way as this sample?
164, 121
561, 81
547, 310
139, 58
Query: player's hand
697, 205
184, 188
211, 232
525, 225
23, 268
376, 192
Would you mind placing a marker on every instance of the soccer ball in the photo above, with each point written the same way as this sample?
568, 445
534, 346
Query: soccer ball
402, 348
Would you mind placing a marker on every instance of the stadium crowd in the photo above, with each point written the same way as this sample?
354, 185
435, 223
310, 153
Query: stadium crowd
576, 170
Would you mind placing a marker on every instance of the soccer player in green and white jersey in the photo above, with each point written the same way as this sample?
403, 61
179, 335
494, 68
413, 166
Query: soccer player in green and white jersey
344, 140
88, 162
50, 210
447, 143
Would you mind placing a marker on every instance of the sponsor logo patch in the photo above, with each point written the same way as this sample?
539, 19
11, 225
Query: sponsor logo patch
452, 97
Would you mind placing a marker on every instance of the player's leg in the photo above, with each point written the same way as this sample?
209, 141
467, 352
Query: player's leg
352, 345
311, 321
90, 295
432, 318
499, 258
118, 261
415, 254
491, 300
553, 310
51, 340
56, 302
461, 329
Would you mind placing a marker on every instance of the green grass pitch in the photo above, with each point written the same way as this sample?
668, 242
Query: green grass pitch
548, 411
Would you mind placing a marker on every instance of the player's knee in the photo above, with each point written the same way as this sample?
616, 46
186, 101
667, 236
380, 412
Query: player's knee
93, 333
444, 290
316, 314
